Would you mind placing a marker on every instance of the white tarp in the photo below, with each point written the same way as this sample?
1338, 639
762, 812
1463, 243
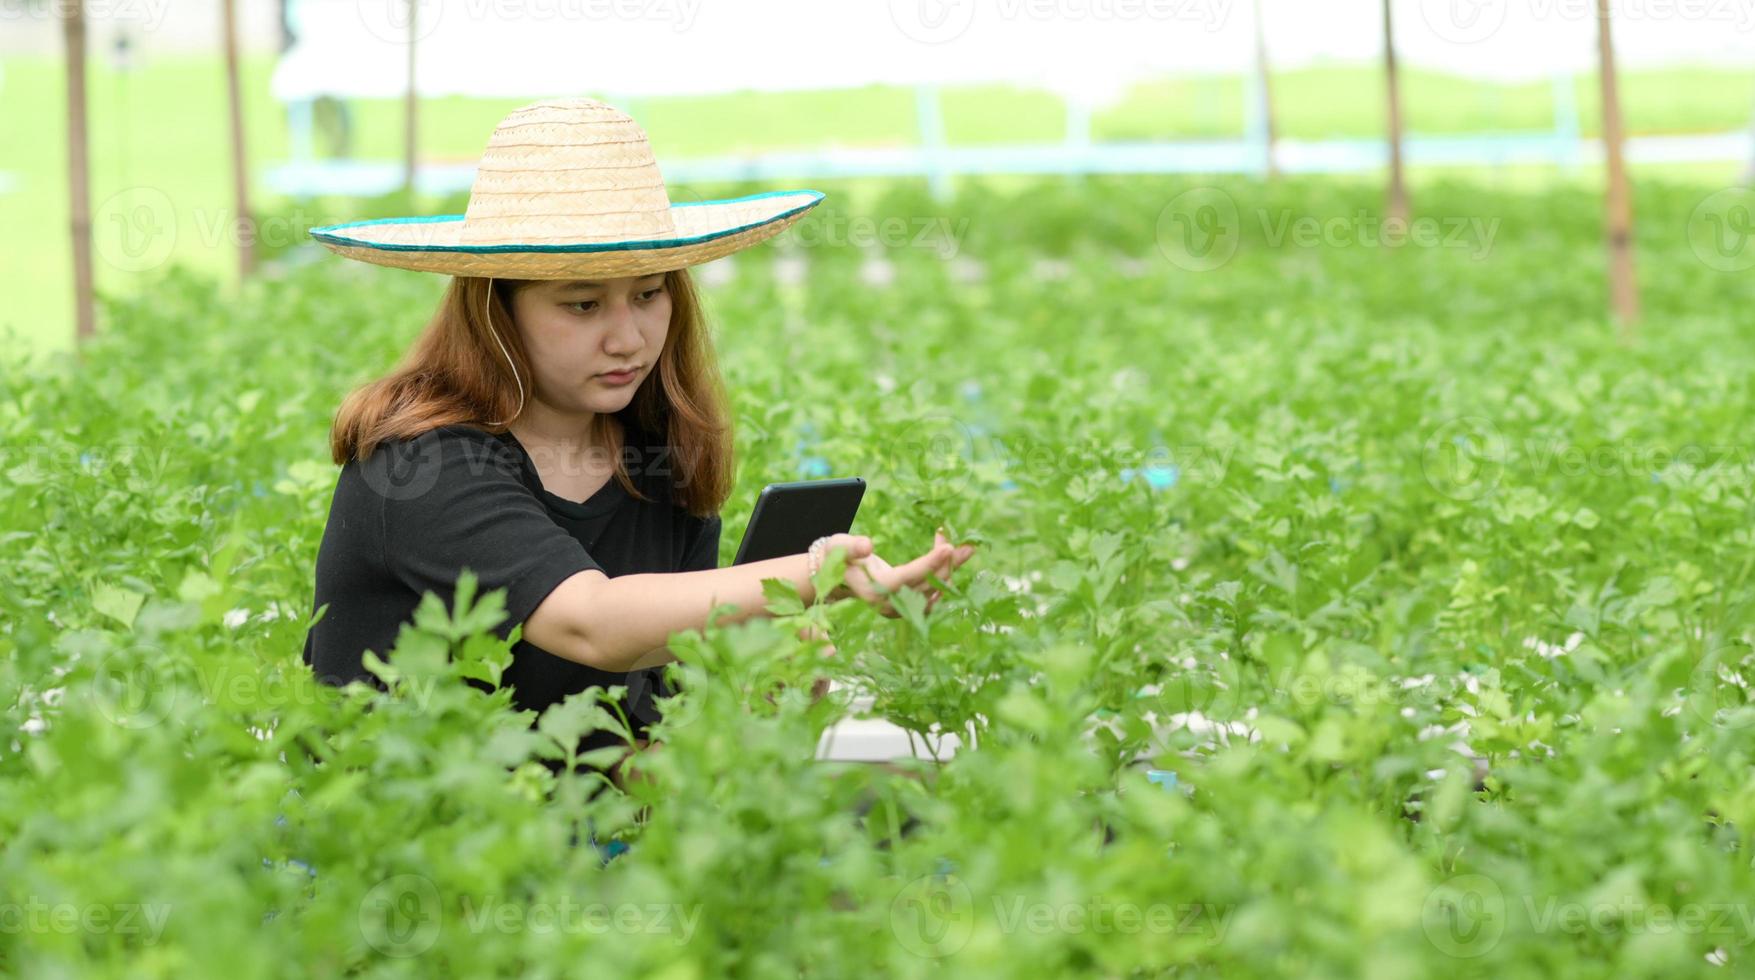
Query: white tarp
1086, 48
518, 48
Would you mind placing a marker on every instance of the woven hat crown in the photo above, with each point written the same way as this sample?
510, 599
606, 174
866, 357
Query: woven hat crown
568, 187
567, 170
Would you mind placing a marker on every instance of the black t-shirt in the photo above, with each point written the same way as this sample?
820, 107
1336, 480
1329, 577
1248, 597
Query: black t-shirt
409, 518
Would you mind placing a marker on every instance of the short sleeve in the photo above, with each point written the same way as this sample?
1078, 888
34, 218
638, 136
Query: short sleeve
455, 498
702, 552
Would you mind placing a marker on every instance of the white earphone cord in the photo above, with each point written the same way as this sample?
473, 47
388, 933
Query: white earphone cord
488, 314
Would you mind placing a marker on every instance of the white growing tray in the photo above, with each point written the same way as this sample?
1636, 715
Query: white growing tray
858, 738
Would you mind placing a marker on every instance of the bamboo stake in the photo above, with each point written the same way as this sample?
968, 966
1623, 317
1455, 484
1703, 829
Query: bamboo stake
1264, 79
1623, 278
79, 171
410, 103
1398, 190
240, 170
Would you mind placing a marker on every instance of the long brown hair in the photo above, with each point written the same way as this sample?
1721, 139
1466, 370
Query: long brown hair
455, 374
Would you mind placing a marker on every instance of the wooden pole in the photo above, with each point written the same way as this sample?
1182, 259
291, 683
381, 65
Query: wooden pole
1264, 80
78, 170
410, 104
1623, 278
1749, 172
1398, 189
240, 169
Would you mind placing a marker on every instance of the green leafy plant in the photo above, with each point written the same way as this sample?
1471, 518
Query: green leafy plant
1434, 597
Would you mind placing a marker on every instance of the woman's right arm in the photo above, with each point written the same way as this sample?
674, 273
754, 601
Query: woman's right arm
456, 497
624, 623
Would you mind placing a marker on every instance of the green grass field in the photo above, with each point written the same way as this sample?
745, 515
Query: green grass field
160, 184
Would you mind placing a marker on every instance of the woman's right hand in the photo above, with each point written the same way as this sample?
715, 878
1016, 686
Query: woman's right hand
869, 577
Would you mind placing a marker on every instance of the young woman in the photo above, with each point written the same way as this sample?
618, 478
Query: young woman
560, 428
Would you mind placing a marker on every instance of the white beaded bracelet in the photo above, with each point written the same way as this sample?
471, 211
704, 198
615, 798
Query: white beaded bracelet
815, 560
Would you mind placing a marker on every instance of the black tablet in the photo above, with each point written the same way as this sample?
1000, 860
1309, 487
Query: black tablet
789, 516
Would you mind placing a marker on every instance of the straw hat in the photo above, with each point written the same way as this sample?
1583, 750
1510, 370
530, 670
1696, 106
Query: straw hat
569, 188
